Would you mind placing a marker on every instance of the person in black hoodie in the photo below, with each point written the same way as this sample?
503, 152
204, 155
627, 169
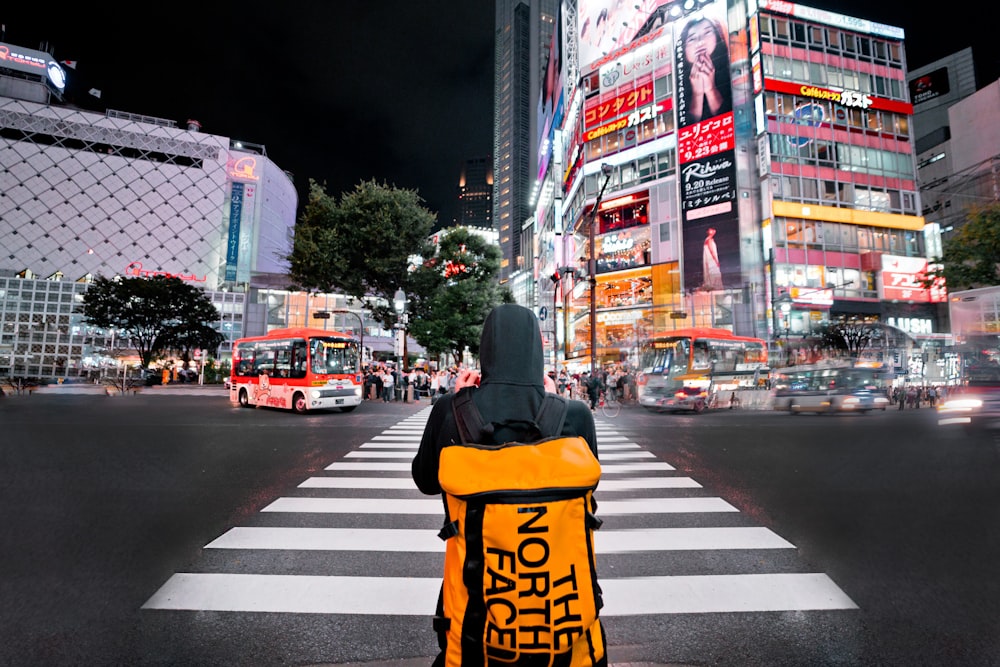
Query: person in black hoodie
511, 387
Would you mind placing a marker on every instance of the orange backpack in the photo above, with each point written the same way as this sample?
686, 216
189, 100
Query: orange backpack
520, 582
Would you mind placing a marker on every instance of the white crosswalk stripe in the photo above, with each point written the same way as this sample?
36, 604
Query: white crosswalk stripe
374, 481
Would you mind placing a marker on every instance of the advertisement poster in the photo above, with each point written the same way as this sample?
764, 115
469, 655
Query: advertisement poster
706, 143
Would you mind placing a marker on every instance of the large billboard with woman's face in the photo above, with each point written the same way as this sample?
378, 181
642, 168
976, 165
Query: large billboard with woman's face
706, 143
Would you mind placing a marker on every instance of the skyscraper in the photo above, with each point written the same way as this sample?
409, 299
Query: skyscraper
475, 193
523, 31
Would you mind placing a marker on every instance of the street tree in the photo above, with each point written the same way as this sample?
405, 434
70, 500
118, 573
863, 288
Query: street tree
189, 336
361, 246
849, 335
971, 257
453, 292
156, 313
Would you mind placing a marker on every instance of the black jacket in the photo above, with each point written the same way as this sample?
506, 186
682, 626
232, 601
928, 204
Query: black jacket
512, 387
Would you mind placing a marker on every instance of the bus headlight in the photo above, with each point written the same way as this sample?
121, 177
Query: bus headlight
316, 393
357, 390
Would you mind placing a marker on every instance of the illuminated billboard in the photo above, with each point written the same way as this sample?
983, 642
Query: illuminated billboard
609, 29
30, 61
706, 143
902, 279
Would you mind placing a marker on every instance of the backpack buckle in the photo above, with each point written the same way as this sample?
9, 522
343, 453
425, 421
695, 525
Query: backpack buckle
449, 530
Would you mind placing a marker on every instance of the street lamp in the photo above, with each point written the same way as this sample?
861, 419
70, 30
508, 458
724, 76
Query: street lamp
607, 170
399, 303
361, 328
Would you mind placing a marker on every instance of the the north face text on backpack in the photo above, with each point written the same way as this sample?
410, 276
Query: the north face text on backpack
532, 602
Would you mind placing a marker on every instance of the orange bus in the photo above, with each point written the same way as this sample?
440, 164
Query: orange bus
697, 361
297, 369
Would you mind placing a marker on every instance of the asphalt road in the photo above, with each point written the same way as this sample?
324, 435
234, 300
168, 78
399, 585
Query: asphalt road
104, 501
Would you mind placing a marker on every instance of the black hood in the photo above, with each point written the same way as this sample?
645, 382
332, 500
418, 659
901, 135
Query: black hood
511, 363
510, 350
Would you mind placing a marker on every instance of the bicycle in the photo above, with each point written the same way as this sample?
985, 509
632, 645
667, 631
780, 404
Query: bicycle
609, 404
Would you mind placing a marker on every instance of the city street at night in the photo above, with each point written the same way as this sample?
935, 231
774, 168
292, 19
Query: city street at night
173, 528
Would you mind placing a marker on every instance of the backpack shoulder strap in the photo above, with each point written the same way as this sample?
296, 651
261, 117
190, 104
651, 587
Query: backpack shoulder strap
467, 417
552, 415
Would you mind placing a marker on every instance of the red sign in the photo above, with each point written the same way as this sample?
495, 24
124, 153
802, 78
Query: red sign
902, 279
847, 98
603, 111
707, 138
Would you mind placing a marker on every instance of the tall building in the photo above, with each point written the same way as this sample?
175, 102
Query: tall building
475, 193
958, 163
523, 32
958, 147
116, 194
748, 166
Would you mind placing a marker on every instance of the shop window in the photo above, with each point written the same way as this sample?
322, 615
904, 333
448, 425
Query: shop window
662, 87
798, 32
833, 39
646, 169
781, 31
794, 234
817, 74
810, 189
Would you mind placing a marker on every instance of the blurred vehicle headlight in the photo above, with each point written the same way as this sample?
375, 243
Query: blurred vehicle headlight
316, 393
961, 405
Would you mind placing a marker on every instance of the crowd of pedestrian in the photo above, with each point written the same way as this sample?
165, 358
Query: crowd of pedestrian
387, 383
914, 396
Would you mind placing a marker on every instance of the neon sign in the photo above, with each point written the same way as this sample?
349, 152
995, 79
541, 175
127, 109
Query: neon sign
244, 168
847, 98
135, 269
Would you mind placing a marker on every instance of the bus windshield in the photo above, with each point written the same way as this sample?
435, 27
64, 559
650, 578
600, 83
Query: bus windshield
666, 357
332, 356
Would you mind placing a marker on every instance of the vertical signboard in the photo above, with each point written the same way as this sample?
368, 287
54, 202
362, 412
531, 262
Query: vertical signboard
233, 242
248, 233
706, 151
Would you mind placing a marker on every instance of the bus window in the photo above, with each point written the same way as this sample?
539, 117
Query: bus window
298, 361
263, 362
702, 359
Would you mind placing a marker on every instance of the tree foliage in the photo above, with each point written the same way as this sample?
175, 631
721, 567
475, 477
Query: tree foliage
157, 314
851, 336
970, 257
362, 245
453, 292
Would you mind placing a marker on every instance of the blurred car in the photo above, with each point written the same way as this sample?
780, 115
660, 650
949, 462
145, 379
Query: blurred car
685, 399
227, 382
976, 406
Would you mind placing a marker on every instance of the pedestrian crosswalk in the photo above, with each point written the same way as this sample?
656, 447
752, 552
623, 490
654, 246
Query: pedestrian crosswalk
366, 503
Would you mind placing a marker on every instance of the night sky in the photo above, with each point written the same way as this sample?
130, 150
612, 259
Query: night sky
340, 92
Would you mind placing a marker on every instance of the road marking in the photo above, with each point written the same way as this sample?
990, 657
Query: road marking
633, 483
618, 468
602, 446
358, 483
412, 596
607, 485
433, 506
427, 541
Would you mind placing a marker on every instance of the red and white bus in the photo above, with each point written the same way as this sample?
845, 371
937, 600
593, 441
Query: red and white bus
297, 369
698, 359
